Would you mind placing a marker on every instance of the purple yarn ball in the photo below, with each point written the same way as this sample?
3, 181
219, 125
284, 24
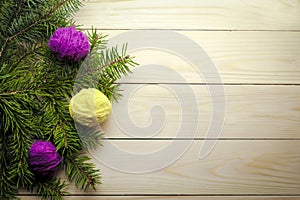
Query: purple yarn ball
69, 44
43, 158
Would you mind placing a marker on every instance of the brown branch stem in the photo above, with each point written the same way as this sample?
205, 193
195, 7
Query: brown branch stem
19, 8
120, 59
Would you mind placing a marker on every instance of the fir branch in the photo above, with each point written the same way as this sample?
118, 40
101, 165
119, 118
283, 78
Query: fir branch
41, 19
38, 20
62, 140
52, 189
91, 137
31, 51
19, 8
113, 65
102, 69
18, 115
91, 71
60, 125
3, 46
8, 188
114, 62
34, 91
65, 135
110, 89
97, 41
25, 92
83, 173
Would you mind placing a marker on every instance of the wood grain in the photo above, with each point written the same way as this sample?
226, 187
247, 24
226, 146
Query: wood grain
166, 197
249, 57
251, 111
233, 167
255, 46
191, 14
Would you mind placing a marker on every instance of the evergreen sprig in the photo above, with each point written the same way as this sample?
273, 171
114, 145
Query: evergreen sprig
52, 189
103, 68
35, 89
83, 173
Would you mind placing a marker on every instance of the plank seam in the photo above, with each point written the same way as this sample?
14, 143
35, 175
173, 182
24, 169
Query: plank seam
242, 139
196, 30
172, 195
229, 84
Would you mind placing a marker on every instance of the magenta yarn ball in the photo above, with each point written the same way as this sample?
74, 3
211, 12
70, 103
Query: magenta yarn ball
69, 44
43, 158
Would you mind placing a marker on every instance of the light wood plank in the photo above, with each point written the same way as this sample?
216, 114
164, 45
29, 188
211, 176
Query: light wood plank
191, 14
239, 57
183, 197
165, 197
233, 167
251, 111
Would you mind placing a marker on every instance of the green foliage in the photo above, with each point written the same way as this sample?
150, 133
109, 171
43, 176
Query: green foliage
82, 173
90, 136
35, 89
102, 68
52, 189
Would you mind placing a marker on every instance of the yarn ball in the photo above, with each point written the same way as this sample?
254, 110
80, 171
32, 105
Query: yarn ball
69, 44
90, 106
43, 158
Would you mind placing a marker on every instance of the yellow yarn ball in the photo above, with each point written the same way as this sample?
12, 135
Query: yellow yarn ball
89, 106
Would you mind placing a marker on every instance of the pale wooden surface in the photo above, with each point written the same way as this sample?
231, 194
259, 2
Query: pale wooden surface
192, 14
251, 111
241, 57
233, 167
256, 47
170, 197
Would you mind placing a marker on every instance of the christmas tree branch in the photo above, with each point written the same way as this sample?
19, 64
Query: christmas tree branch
103, 68
52, 189
117, 61
41, 19
3, 46
14, 111
32, 51
62, 123
97, 41
83, 173
90, 136
64, 134
38, 20
25, 92
19, 8
8, 188
90, 71
35, 87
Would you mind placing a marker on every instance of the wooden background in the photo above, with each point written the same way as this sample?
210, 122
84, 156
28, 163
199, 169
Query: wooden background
255, 45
